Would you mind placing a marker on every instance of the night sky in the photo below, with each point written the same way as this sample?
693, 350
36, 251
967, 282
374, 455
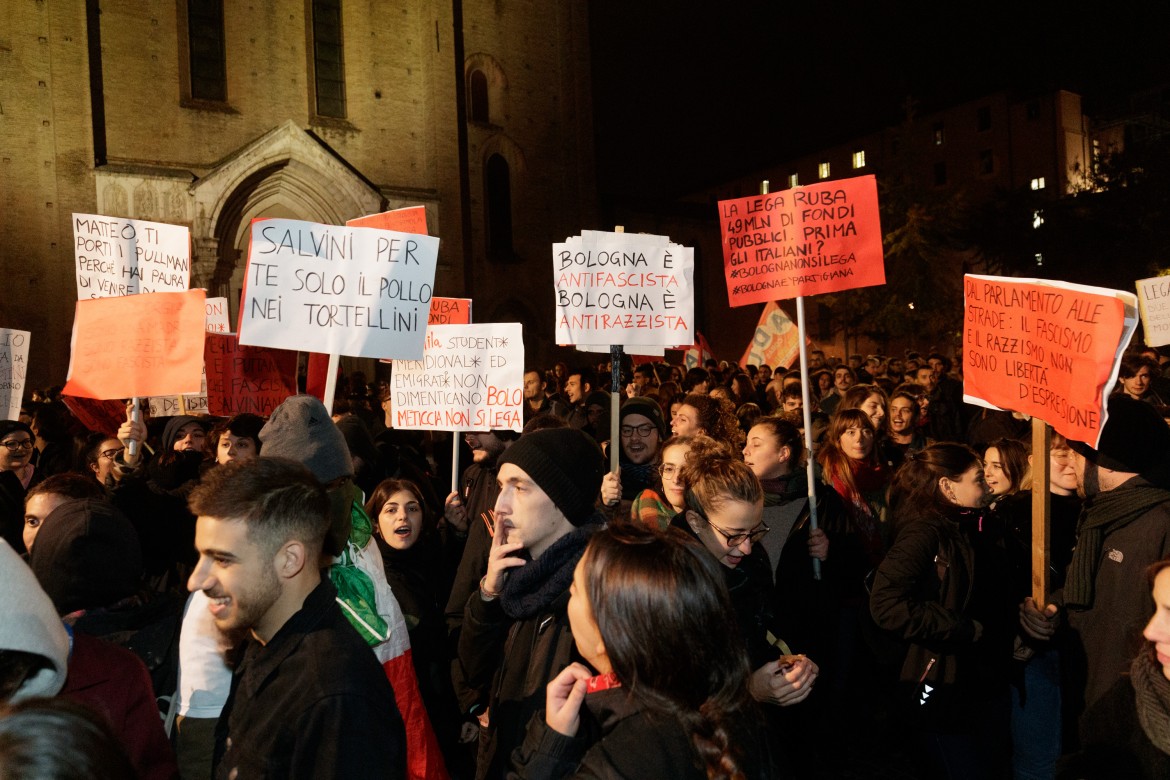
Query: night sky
689, 94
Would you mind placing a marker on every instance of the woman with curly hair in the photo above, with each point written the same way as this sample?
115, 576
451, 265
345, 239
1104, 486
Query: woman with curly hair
644, 709
700, 413
656, 505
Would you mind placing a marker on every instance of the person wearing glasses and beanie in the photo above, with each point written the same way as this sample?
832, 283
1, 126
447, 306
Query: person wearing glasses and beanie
17, 475
642, 430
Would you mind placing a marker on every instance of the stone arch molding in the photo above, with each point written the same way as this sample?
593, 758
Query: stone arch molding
507, 148
497, 82
284, 171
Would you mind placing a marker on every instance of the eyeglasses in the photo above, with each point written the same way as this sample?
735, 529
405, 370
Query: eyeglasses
736, 539
111, 454
642, 430
669, 470
17, 446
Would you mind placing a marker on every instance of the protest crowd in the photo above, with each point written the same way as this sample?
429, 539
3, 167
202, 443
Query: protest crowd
303, 595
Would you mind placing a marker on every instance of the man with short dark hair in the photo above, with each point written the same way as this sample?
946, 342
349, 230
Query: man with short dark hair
645, 381
697, 380
516, 633
579, 384
309, 699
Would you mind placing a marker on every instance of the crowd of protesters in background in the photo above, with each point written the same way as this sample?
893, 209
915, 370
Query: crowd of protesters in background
303, 595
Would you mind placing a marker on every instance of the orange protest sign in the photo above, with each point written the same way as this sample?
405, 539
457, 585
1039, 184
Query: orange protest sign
137, 345
409, 220
804, 241
1043, 348
450, 311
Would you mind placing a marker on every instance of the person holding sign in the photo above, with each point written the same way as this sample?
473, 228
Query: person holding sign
1124, 528
642, 430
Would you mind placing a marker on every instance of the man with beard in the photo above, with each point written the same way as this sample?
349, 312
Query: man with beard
642, 431
1124, 527
308, 699
538, 401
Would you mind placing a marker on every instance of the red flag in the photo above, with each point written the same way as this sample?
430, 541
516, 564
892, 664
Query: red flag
775, 343
698, 353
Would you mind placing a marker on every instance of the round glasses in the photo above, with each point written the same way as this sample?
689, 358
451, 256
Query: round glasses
17, 446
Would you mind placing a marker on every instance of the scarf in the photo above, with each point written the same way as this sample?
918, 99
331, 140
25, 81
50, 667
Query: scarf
532, 587
1102, 514
1151, 692
782, 489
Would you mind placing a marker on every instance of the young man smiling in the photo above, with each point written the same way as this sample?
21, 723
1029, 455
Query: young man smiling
309, 699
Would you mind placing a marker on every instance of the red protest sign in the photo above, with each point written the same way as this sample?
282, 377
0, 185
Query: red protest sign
450, 311
97, 416
1044, 348
138, 345
408, 220
247, 379
805, 241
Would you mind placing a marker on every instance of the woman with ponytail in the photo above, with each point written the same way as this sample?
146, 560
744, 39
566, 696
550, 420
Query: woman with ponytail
944, 591
645, 709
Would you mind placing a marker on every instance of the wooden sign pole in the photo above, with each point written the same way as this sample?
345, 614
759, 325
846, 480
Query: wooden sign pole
1041, 512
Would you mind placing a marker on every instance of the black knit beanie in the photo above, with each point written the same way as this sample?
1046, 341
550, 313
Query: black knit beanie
648, 408
1135, 438
565, 463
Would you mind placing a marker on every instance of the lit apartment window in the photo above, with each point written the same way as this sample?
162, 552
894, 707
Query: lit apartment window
1038, 183
1039, 259
328, 68
823, 170
1037, 218
939, 134
859, 159
793, 180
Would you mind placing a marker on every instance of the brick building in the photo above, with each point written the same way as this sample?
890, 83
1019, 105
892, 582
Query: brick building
209, 114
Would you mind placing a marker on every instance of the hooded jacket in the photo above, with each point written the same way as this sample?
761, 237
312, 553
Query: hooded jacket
31, 625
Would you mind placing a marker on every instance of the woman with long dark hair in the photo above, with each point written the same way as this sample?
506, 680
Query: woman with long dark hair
944, 591
649, 711
848, 457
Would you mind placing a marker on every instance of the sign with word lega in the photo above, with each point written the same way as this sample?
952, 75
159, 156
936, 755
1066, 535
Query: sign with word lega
1154, 300
336, 290
117, 256
623, 288
1045, 348
13, 369
471, 378
805, 241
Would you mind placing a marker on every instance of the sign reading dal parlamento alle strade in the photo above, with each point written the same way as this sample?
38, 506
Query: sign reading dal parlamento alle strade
1045, 348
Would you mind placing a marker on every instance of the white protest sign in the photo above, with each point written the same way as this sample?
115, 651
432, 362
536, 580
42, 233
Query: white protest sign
1154, 303
13, 370
117, 256
623, 288
172, 405
336, 290
471, 378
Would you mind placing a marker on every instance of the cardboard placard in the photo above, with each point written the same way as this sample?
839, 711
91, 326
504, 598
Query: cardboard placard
194, 403
116, 256
471, 378
623, 288
337, 290
1045, 348
412, 219
1154, 300
247, 379
805, 241
450, 311
13, 371
137, 345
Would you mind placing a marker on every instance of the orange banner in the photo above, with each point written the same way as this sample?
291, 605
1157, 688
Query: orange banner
412, 219
805, 241
138, 345
776, 342
1047, 349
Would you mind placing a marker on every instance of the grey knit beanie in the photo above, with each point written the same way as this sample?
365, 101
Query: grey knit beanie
301, 429
565, 463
